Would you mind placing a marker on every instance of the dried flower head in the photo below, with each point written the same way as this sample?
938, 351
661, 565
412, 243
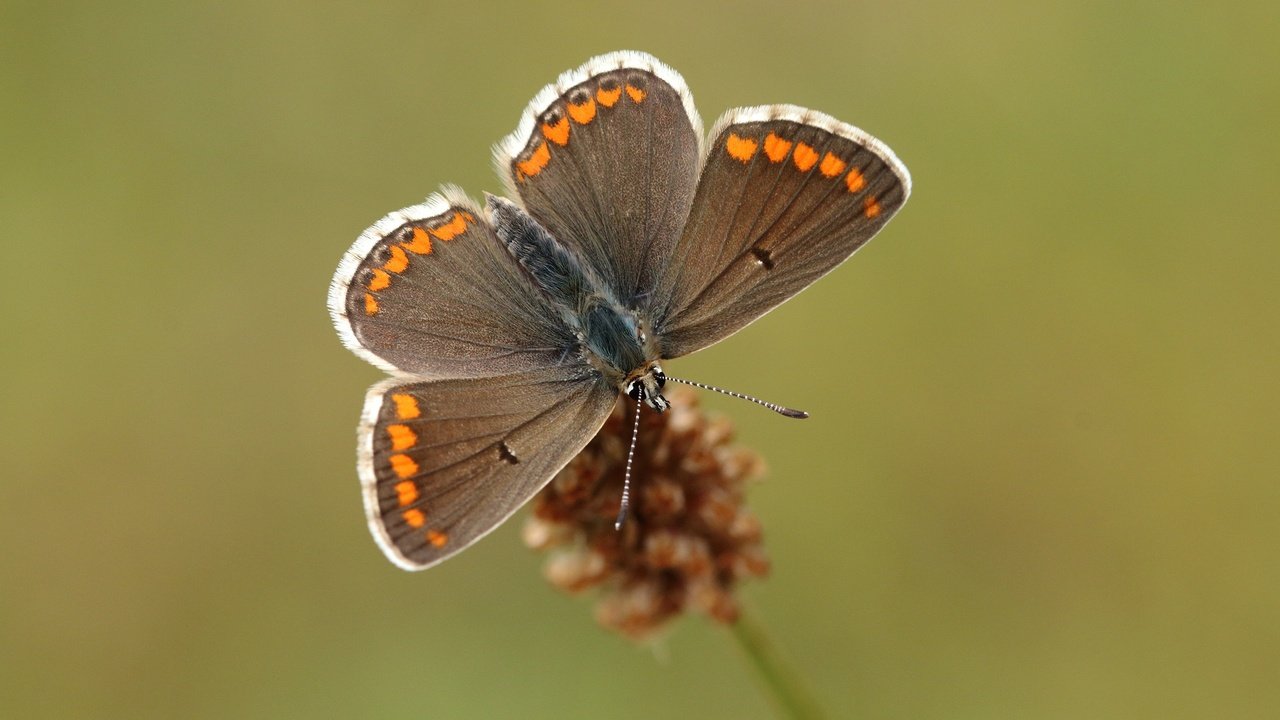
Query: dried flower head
689, 538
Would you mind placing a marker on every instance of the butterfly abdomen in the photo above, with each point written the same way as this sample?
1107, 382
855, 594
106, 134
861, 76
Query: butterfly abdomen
608, 333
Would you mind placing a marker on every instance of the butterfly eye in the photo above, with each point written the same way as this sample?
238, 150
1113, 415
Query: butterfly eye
635, 390
660, 376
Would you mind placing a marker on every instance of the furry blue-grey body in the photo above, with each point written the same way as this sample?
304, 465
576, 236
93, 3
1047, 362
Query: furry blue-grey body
611, 337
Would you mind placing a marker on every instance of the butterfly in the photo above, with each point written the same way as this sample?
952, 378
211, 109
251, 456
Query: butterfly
627, 238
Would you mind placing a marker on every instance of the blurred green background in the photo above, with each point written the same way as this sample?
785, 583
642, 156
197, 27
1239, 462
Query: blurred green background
1040, 479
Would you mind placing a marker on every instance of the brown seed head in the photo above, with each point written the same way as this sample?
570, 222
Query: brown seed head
689, 538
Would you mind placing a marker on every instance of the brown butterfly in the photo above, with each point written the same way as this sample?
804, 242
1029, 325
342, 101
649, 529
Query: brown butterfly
511, 328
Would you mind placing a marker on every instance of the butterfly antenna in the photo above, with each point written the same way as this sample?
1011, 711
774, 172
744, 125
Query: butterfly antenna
799, 414
626, 482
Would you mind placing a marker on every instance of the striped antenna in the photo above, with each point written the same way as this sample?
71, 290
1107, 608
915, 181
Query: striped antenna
626, 482
799, 414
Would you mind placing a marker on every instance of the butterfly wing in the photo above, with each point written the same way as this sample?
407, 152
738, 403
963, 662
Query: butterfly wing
786, 195
606, 159
431, 290
444, 462
501, 401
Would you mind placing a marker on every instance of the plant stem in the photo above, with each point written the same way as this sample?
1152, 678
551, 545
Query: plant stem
784, 685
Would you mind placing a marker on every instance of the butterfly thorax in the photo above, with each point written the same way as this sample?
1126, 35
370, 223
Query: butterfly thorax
611, 337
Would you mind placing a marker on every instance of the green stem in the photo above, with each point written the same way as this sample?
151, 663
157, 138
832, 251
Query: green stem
784, 685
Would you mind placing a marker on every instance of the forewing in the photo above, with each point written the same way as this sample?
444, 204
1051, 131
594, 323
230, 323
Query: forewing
442, 463
786, 194
430, 290
606, 159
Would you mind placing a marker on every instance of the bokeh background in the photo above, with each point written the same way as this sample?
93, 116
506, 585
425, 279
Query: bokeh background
1040, 480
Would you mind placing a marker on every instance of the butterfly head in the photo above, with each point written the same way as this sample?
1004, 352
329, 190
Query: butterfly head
647, 387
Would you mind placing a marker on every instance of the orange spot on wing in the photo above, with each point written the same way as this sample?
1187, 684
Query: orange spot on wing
558, 133
398, 260
451, 229
402, 438
406, 406
831, 165
608, 98
776, 148
380, 280
740, 148
870, 207
437, 538
584, 113
470, 218
854, 180
635, 93
370, 304
414, 517
406, 492
536, 162
420, 244
403, 465
805, 157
